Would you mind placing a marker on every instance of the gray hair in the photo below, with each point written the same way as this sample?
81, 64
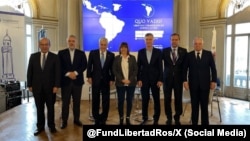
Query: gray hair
103, 39
44, 38
198, 38
71, 36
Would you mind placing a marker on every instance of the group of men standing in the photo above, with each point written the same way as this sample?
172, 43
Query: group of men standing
195, 71
47, 72
172, 67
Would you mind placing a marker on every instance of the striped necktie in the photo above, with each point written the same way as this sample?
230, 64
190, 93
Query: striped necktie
174, 56
44, 60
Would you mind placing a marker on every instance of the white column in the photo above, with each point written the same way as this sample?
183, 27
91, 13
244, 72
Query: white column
63, 22
182, 21
74, 17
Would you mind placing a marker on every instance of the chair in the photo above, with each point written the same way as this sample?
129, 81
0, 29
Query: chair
25, 90
214, 97
112, 92
185, 100
137, 98
90, 114
138, 111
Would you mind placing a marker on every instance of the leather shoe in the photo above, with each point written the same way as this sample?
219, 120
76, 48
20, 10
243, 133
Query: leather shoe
143, 122
155, 123
38, 131
128, 121
53, 130
63, 125
169, 122
177, 123
78, 123
103, 123
96, 123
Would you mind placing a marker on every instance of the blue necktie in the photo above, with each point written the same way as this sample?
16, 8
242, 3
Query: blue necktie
102, 59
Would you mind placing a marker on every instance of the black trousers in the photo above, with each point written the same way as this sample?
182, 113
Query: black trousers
199, 98
41, 98
75, 92
122, 92
100, 93
177, 86
146, 89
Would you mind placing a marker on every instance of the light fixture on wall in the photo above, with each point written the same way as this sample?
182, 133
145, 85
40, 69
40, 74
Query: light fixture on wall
238, 4
12, 2
16, 4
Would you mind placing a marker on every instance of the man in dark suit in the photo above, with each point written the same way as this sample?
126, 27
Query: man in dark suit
173, 58
43, 79
150, 76
101, 77
202, 75
73, 63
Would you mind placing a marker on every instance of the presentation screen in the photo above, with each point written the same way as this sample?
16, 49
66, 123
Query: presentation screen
126, 21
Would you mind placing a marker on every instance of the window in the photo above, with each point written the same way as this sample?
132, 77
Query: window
236, 6
237, 63
28, 33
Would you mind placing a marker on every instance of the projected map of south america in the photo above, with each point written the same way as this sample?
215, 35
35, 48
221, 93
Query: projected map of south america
124, 20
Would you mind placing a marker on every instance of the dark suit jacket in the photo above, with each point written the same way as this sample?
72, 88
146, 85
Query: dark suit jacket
151, 72
171, 69
200, 74
95, 70
47, 78
79, 65
117, 70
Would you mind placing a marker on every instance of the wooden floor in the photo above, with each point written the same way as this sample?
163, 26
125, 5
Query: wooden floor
19, 123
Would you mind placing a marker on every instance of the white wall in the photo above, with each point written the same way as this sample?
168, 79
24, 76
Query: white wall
13, 26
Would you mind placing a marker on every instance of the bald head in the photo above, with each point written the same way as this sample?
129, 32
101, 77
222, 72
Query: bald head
198, 43
44, 44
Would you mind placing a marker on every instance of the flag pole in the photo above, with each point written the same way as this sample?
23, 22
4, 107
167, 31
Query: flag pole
213, 46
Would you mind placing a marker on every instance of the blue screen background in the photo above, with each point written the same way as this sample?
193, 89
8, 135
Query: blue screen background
123, 18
